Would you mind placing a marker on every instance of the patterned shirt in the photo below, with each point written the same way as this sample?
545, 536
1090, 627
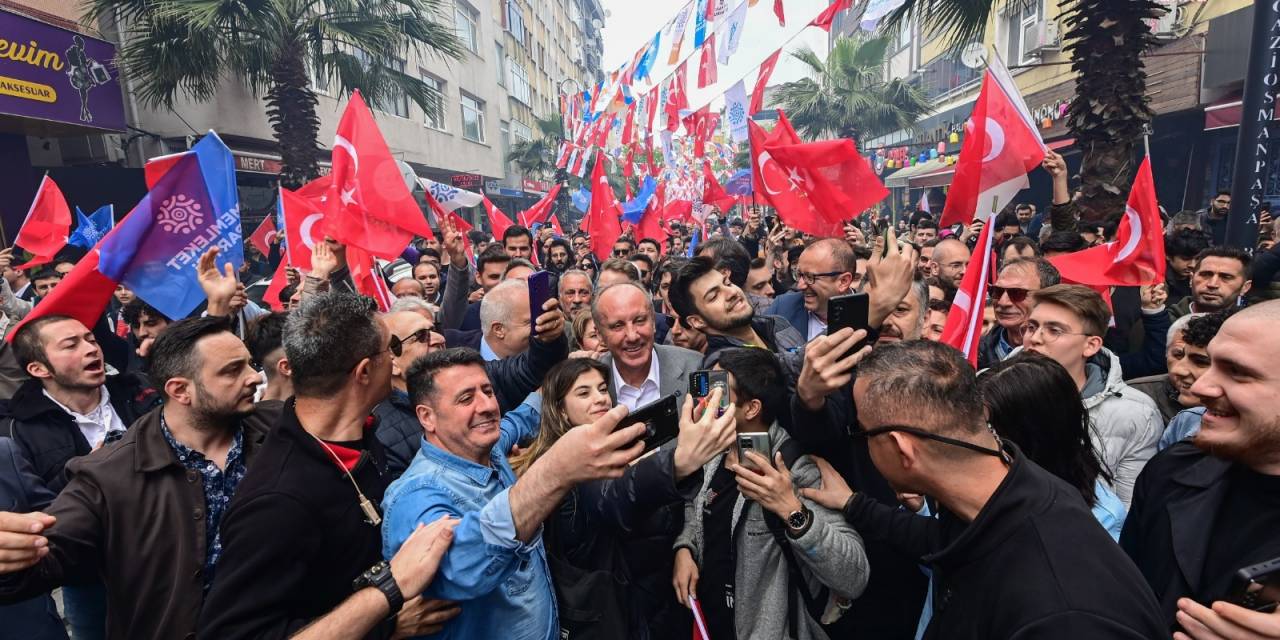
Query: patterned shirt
219, 486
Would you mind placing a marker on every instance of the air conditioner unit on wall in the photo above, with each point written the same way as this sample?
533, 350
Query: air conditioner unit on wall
1165, 26
1042, 36
92, 149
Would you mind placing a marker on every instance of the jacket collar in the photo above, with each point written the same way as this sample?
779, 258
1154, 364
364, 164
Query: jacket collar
152, 451
30, 401
1024, 492
1191, 516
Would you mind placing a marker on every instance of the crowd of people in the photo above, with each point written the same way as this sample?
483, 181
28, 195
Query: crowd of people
462, 466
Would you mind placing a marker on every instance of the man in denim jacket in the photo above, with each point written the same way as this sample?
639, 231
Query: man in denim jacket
497, 566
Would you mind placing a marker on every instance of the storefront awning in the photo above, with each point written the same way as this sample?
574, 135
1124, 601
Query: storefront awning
1225, 114
902, 177
941, 177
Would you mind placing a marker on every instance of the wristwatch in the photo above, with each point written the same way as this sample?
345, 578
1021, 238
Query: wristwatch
798, 521
379, 576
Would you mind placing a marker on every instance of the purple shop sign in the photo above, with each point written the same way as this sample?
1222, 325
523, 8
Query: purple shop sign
53, 74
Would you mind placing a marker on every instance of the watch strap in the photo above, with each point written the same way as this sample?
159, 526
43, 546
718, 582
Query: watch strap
379, 577
795, 533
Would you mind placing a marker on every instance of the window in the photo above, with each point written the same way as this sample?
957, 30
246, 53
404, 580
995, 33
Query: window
499, 61
472, 118
435, 102
398, 100
515, 21
1023, 23
318, 80
519, 88
465, 19
520, 132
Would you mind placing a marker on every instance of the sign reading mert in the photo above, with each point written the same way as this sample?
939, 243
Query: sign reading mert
50, 73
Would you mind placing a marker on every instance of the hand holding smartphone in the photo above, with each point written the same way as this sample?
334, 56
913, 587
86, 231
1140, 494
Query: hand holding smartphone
539, 292
661, 420
850, 310
702, 383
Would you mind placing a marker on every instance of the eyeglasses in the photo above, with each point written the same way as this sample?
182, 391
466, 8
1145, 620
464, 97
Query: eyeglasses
1051, 331
810, 278
396, 346
1015, 294
921, 433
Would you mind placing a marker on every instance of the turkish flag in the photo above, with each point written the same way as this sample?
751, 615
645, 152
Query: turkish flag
317, 189
712, 193
840, 183
679, 210
303, 227
279, 280
778, 188
828, 15
1001, 145
777, 11
497, 219
1136, 256
964, 322
369, 205
699, 126
707, 71
259, 237
650, 226
766, 70
459, 224
48, 223
366, 277
605, 212
677, 97
541, 209
629, 125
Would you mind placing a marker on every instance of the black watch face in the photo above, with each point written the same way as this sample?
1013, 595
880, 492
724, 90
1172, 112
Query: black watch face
796, 520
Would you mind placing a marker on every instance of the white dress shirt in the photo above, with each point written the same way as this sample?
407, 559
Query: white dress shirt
636, 397
96, 424
817, 326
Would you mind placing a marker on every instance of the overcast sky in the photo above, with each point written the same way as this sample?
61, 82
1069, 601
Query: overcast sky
632, 23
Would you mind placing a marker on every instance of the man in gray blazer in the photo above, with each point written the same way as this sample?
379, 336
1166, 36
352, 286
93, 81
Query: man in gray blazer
641, 371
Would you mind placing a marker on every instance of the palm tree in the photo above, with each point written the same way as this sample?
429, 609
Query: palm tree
537, 157
187, 47
846, 95
1109, 112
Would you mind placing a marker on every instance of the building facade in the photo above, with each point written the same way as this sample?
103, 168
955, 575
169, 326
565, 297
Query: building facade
1194, 80
517, 56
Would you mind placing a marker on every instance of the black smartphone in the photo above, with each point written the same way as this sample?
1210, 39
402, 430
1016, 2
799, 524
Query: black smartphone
1257, 587
849, 310
661, 420
702, 383
539, 292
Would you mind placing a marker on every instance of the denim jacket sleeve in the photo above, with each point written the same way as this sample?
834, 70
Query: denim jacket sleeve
520, 424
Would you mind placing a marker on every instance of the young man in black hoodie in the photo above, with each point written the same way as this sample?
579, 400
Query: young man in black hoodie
1014, 552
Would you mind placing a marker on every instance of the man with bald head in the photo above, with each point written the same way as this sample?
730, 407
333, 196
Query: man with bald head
825, 269
1210, 505
642, 371
950, 258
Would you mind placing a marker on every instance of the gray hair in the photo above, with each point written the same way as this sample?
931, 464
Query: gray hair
411, 304
571, 272
326, 337
499, 303
1179, 326
922, 382
1044, 270
595, 300
921, 291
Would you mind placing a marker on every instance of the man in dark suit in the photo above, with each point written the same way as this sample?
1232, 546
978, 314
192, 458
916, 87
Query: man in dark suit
1207, 507
826, 269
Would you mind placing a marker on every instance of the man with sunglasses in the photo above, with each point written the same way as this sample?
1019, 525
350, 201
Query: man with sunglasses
1014, 551
1010, 296
513, 377
1067, 324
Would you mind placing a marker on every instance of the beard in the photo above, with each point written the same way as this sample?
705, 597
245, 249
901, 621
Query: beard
733, 323
1260, 444
211, 413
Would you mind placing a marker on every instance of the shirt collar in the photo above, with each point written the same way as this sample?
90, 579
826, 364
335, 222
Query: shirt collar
477, 473
619, 383
104, 401
187, 454
486, 351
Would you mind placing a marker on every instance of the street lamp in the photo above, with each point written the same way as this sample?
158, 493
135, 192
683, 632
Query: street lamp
568, 87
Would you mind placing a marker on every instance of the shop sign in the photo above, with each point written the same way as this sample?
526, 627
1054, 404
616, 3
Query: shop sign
50, 73
469, 181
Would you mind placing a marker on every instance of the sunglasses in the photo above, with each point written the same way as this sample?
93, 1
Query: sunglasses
921, 433
1015, 294
396, 345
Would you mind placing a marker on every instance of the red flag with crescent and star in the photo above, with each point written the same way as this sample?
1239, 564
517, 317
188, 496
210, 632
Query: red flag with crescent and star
1136, 257
1001, 145
772, 183
369, 205
605, 212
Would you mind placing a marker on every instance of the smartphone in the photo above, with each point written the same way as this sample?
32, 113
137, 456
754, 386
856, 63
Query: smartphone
849, 310
757, 441
661, 420
539, 292
1257, 587
702, 383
